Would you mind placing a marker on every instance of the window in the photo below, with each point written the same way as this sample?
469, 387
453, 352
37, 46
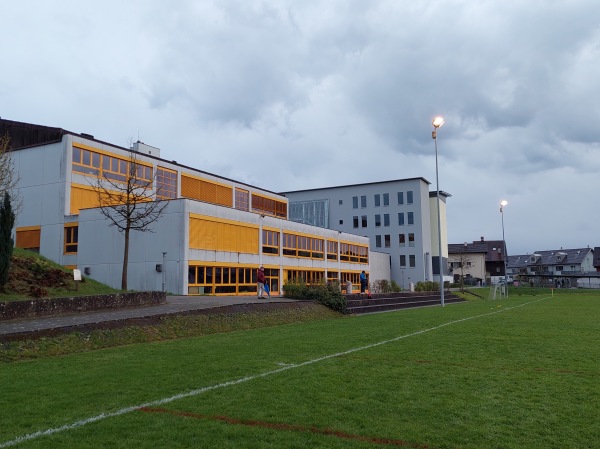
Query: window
341, 202
341, 222
332, 250
71, 239
166, 183
401, 218
410, 218
363, 201
400, 197
411, 239
377, 200
355, 221
409, 197
242, 199
354, 202
378, 241
364, 221
402, 261
412, 261
386, 199
387, 241
377, 220
402, 239
386, 219
270, 242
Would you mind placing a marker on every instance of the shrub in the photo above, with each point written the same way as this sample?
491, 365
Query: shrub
427, 286
328, 294
395, 287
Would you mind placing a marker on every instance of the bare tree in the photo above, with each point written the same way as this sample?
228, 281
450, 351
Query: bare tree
8, 176
128, 201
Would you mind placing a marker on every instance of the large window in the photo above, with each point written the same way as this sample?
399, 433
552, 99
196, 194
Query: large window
363, 201
377, 241
332, 250
386, 219
111, 167
400, 197
355, 221
354, 253
409, 197
410, 216
387, 240
411, 261
386, 199
224, 280
402, 261
401, 218
402, 239
303, 246
377, 220
377, 200
364, 221
411, 239
166, 183
354, 202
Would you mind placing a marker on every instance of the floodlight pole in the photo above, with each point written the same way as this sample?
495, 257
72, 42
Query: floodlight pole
437, 122
502, 204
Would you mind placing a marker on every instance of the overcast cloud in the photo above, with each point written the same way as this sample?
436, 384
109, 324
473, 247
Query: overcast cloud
289, 95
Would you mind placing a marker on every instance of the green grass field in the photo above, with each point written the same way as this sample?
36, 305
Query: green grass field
517, 373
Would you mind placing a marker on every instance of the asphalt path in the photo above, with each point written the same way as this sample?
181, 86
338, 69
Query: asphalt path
174, 305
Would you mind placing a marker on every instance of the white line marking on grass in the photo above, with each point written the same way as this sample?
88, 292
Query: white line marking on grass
101, 416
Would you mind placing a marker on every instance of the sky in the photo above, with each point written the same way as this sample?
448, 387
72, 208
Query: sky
289, 95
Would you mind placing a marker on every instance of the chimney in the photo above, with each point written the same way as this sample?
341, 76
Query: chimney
482, 239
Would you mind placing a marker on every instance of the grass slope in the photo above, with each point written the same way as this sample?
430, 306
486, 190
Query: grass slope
515, 373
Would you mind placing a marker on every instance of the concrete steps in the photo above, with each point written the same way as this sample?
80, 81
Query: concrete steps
381, 302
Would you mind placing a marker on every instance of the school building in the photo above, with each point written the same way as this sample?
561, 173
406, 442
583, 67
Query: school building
212, 236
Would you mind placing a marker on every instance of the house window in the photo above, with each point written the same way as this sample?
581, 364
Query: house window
411, 218
355, 221
387, 241
402, 239
401, 218
270, 242
341, 202
409, 197
412, 261
400, 197
354, 202
364, 221
242, 199
377, 220
386, 219
363, 201
411, 239
341, 222
377, 200
386, 199
378, 241
402, 261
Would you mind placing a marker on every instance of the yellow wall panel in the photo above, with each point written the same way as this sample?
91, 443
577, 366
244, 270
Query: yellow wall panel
28, 238
82, 198
206, 191
215, 236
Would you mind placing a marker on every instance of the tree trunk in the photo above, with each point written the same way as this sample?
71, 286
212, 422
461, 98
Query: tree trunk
125, 260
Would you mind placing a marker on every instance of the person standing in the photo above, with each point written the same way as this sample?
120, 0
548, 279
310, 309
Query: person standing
260, 282
363, 282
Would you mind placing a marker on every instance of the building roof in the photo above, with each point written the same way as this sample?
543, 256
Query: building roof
550, 257
467, 248
360, 184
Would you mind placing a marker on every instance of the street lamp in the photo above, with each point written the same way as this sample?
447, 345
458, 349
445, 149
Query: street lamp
502, 204
438, 122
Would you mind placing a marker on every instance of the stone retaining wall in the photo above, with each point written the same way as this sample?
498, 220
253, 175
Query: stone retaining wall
60, 306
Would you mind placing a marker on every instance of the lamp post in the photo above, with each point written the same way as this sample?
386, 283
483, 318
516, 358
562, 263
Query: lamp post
502, 204
438, 122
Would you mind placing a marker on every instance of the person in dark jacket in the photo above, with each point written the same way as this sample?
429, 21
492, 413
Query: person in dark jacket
363, 282
260, 282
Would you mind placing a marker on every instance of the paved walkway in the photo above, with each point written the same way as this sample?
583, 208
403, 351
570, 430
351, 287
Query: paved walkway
174, 305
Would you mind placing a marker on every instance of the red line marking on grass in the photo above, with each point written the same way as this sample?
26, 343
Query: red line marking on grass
289, 427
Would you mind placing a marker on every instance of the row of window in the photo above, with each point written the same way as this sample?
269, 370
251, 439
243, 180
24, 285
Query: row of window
110, 167
242, 280
377, 199
410, 220
387, 240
